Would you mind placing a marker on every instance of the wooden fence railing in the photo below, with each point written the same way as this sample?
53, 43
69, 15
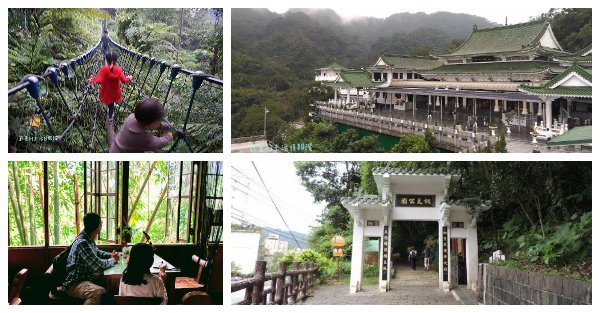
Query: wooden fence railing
282, 287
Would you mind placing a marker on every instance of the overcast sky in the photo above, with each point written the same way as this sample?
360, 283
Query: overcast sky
250, 200
492, 12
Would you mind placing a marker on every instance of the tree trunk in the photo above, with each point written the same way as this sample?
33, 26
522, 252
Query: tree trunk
41, 182
77, 203
160, 200
139, 195
32, 227
13, 202
539, 210
56, 203
16, 204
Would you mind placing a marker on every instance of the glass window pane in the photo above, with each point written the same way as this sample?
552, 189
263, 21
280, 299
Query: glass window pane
25, 216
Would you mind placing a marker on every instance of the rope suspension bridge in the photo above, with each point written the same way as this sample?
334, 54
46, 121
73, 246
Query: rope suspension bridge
59, 111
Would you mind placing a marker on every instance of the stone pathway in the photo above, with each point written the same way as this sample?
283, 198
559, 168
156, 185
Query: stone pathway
409, 287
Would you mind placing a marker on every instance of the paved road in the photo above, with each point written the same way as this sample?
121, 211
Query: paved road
409, 287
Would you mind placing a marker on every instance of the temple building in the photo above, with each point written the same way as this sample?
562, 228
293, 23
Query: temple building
508, 75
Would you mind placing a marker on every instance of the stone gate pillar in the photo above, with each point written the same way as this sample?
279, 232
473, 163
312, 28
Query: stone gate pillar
356, 271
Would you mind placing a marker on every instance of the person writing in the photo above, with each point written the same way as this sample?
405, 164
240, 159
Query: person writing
110, 78
86, 263
137, 281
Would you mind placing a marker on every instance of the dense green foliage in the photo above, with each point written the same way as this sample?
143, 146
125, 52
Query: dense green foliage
39, 38
540, 213
572, 27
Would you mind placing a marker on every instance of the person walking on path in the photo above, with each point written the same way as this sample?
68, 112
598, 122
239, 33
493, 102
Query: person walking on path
412, 257
427, 257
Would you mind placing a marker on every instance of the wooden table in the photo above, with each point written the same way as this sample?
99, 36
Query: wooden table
113, 275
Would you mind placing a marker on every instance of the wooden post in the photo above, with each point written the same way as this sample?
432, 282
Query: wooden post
248, 295
305, 281
295, 267
273, 290
259, 286
280, 285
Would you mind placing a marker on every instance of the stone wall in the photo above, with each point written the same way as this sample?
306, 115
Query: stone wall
503, 285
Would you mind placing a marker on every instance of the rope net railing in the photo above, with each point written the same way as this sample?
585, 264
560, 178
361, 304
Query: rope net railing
59, 110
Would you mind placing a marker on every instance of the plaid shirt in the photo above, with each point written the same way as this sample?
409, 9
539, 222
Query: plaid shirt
85, 261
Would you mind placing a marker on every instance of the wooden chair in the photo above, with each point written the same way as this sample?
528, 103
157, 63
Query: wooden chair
196, 298
14, 295
191, 283
122, 300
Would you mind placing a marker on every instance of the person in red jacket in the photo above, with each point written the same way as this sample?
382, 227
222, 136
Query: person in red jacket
110, 78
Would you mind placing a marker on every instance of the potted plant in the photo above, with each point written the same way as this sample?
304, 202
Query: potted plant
126, 233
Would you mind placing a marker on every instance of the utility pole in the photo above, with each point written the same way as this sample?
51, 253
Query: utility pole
265, 123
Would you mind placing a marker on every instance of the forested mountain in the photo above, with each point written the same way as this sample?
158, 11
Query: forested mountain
304, 39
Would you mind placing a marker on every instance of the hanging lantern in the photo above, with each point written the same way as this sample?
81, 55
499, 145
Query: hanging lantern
497, 106
524, 112
437, 101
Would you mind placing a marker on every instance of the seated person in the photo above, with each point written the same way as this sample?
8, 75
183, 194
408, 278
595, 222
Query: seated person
137, 281
86, 263
136, 133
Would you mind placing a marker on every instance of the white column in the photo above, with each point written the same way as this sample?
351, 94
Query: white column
356, 271
549, 112
531, 108
472, 256
335, 94
504, 105
569, 106
348, 94
464, 102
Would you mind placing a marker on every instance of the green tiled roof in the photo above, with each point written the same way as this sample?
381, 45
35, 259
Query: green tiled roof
364, 199
410, 62
357, 79
577, 56
405, 171
583, 92
567, 91
496, 67
334, 66
576, 136
510, 38
586, 74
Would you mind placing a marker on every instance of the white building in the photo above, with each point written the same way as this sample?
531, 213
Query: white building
407, 195
244, 249
274, 245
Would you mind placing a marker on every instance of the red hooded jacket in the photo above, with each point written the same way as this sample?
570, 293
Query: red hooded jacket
110, 84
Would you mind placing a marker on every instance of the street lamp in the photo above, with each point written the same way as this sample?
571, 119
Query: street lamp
338, 242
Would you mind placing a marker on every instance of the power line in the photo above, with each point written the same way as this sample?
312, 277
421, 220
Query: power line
250, 192
269, 193
281, 200
273, 228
